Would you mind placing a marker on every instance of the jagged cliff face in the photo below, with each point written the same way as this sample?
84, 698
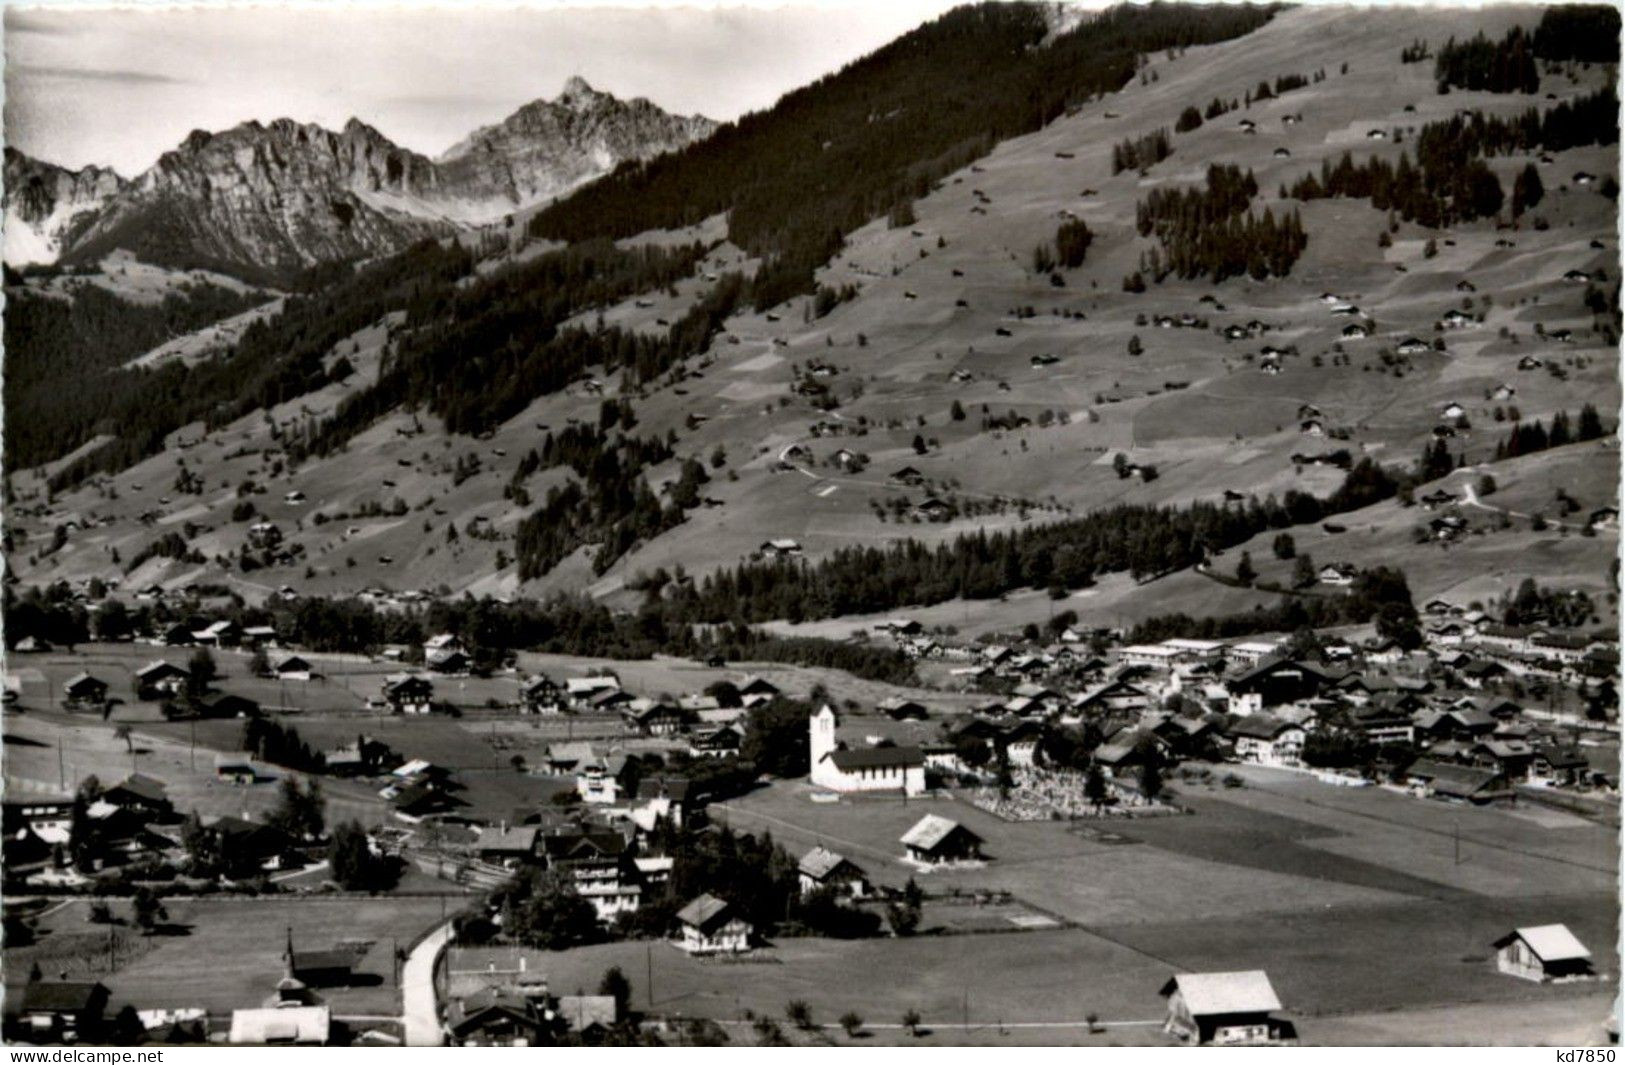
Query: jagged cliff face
267, 200
549, 147
47, 205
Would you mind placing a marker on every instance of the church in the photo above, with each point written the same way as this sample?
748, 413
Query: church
845, 769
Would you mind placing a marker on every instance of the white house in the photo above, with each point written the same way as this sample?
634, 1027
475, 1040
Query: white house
1542, 953
708, 925
1223, 1009
846, 769
1267, 740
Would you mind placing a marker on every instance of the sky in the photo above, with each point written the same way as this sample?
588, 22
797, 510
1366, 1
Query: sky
118, 87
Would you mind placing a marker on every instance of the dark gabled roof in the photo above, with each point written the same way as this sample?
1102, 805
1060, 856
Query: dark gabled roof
309, 961
876, 757
673, 788
142, 787
577, 844
1259, 726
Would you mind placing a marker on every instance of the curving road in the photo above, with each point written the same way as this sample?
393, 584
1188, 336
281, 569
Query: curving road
420, 1000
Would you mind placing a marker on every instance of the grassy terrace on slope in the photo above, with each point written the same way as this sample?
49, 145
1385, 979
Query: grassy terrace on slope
829, 157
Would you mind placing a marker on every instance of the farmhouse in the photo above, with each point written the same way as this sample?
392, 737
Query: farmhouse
1267, 740
1224, 1009
782, 547
935, 840
84, 692
139, 792
408, 693
160, 679
540, 695
494, 1017
291, 667
708, 925
821, 868
1543, 953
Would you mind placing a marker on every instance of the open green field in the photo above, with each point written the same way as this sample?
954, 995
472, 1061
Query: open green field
224, 954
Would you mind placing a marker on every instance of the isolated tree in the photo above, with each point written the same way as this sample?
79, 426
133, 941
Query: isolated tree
618, 987
147, 909
1151, 778
1245, 573
919, 445
123, 733
202, 668
911, 1022
798, 1013
1527, 190
852, 1023
1284, 546
1094, 786
1135, 347
956, 412
1303, 572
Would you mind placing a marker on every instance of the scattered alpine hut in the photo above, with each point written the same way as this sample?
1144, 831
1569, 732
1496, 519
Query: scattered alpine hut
409, 693
1224, 1009
848, 769
1543, 953
708, 925
936, 840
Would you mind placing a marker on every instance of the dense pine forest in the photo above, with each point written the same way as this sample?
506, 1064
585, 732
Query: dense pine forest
61, 348
827, 158
1208, 230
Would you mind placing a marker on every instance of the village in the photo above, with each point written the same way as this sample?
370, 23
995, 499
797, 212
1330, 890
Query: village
528, 819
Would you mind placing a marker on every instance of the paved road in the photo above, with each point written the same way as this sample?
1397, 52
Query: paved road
420, 1002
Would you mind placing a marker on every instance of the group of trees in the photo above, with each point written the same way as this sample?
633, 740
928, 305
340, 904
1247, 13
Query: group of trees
1143, 540
1139, 153
271, 741
1379, 595
1449, 182
1482, 65
1526, 438
1209, 231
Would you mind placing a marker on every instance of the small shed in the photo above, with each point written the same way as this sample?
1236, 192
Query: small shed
935, 839
1543, 953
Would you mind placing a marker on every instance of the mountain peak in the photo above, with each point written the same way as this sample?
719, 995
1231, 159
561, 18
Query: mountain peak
576, 87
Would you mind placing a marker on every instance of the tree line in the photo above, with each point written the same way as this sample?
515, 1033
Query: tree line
1208, 230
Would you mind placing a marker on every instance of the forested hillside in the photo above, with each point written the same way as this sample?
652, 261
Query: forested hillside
877, 134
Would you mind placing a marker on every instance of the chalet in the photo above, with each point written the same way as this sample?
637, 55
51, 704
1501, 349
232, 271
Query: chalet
758, 687
781, 547
1267, 740
292, 667
672, 799
219, 634
1455, 319
933, 509
1579, 277
364, 757
447, 661
598, 862
226, 705
1456, 783
590, 1017
598, 779
1437, 498
259, 636
1247, 125
1338, 574
141, 793
935, 840
1278, 680
822, 869
409, 693
495, 1017
1561, 336
719, 742
1112, 697
1224, 1009
909, 476
1558, 766
899, 708
708, 925
540, 695
1603, 518
84, 692
1412, 346
653, 717
1250, 652
249, 844
415, 802
1543, 953
507, 846
160, 680
581, 691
